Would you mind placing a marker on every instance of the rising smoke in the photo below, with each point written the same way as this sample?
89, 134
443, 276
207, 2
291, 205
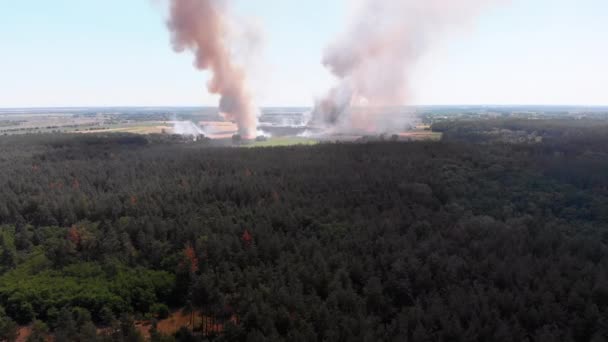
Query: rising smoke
187, 128
204, 27
373, 59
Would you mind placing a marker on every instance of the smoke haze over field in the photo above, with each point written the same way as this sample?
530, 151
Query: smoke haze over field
187, 128
204, 27
373, 59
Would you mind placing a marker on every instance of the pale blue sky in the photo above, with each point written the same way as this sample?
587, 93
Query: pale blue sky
116, 52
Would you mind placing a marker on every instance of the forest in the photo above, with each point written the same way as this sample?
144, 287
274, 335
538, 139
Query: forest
466, 239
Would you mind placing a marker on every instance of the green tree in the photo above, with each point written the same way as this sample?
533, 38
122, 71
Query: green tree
106, 316
160, 311
8, 256
9, 330
40, 332
66, 328
87, 332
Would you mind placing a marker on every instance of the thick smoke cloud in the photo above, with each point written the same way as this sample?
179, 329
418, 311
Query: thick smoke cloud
373, 59
203, 27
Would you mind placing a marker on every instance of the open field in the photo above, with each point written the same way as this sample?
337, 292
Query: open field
78, 120
138, 128
420, 135
284, 141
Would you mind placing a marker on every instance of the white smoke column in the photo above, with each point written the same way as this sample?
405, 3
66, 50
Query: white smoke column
187, 128
203, 27
373, 59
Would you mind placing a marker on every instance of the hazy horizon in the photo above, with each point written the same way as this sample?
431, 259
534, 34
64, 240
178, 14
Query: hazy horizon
465, 105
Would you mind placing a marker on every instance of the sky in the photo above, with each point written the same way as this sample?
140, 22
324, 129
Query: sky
117, 53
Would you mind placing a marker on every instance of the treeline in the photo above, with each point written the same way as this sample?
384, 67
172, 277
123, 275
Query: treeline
562, 132
445, 241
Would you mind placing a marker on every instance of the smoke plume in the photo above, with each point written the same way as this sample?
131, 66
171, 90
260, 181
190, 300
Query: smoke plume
373, 59
187, 128
203, 27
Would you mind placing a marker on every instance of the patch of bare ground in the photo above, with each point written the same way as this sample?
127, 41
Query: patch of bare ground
179, 319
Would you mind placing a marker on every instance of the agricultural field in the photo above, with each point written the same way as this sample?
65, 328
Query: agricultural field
283, 141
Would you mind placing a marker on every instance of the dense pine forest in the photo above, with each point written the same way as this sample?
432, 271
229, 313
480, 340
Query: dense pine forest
468, 239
